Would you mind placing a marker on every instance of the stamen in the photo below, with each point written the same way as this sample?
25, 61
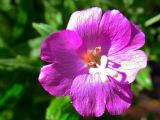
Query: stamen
92, 57
91, 63
98, 50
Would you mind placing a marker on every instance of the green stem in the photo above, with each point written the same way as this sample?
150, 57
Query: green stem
152, 20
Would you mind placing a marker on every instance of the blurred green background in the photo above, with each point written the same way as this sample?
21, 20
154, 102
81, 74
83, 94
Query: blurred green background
23, 26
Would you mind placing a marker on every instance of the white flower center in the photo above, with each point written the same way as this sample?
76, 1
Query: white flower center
102, 70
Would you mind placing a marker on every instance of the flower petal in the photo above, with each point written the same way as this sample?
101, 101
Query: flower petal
88, 95
86, 23
119, 97
130, 63
53, 82
137, 39
59, 44
115, 31
57, 78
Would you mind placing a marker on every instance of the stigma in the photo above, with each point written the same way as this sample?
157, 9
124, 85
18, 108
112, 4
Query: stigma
102, 70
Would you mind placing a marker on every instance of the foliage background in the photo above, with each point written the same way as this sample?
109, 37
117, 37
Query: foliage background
23, 26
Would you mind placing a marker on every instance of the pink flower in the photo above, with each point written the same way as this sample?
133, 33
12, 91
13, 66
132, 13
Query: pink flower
94, 61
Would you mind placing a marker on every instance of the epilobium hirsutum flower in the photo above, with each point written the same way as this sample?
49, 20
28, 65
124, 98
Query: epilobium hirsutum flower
94, 61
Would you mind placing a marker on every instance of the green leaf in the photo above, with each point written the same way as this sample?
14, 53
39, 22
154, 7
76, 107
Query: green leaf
21, 21
69, 4
42, 28
136, 88
34, 45
61, 109
6, 114
5, 4
13, 93
2, 44
143, 79
14, 63
128, 2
